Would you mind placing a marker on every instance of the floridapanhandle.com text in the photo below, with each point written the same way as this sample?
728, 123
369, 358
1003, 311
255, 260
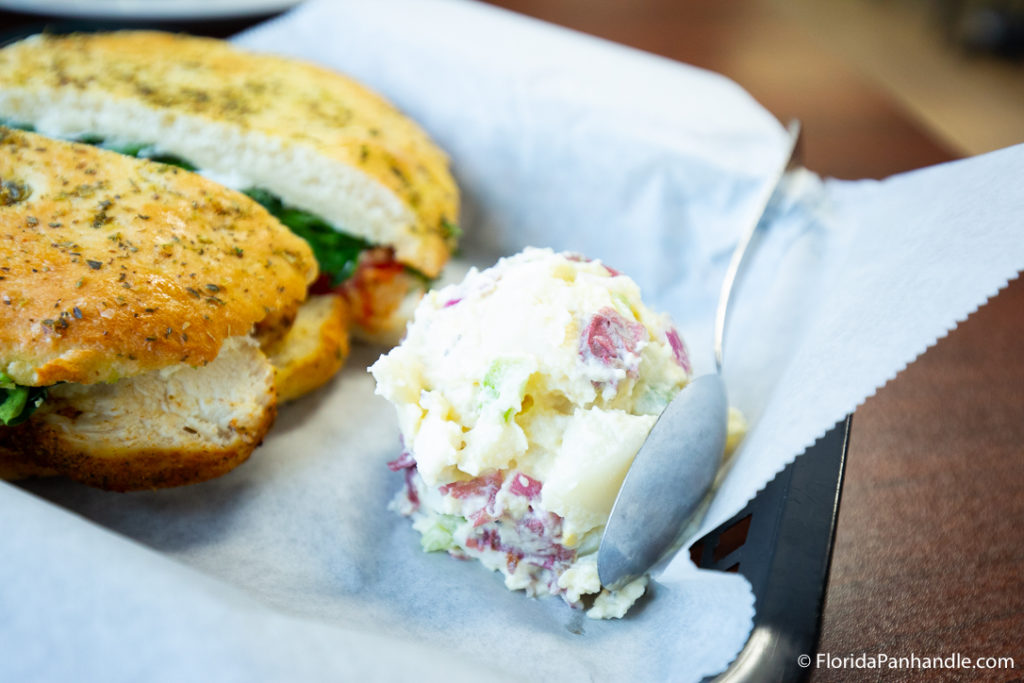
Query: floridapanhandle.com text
881, 660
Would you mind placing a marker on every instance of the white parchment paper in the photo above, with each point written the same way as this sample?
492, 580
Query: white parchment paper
290, 567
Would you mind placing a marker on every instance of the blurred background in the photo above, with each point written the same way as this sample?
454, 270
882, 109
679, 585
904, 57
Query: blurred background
958, 65
950, 69
953, 68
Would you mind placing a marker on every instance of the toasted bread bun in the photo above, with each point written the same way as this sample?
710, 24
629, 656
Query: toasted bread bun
318, 140
167, 427
112, 266
314, 349
15, 465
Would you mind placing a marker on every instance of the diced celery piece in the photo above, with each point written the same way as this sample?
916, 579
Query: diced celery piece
504, 384
438, 536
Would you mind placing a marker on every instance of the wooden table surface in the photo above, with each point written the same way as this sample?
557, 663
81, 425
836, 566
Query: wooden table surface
929, 552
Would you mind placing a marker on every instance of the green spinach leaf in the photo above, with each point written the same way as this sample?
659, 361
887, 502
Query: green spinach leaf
17, 403
336, 252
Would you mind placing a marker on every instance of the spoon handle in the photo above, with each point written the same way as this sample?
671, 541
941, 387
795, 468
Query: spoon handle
738, 255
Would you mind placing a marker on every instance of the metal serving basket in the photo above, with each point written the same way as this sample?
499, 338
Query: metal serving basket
782, 543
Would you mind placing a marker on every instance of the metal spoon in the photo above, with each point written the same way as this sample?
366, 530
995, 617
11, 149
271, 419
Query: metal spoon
673, 471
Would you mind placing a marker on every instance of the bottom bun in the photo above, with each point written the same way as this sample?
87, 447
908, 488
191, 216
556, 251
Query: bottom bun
314, 349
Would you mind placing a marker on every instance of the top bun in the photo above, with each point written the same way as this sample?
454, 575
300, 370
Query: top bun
318, 140
112, 266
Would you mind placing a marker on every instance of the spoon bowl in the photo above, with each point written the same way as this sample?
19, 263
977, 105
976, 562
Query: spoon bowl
682, 455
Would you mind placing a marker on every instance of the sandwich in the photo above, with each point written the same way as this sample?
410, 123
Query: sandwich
333, 161
142, 308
